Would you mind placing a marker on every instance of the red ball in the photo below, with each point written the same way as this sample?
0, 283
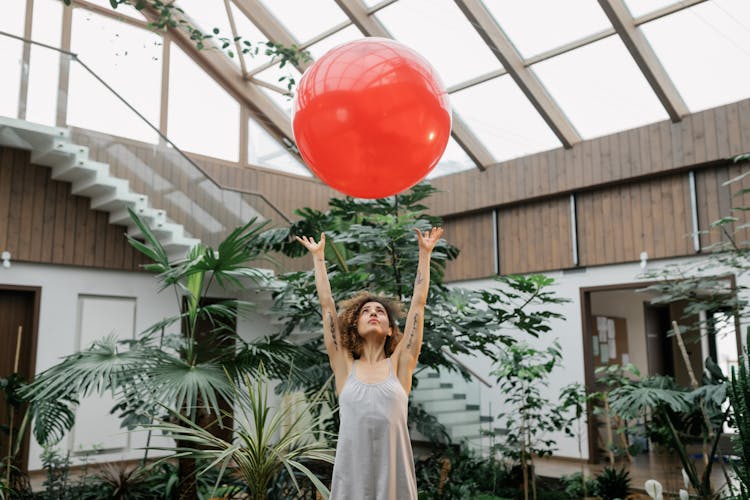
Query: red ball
371, 118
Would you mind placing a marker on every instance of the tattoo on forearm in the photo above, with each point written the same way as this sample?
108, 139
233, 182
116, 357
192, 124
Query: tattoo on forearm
413, 332
332, 331
420, 279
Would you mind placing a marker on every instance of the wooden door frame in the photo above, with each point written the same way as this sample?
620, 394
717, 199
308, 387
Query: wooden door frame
588, 355
37, 293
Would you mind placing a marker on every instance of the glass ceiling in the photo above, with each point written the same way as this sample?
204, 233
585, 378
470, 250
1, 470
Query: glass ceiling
568, 52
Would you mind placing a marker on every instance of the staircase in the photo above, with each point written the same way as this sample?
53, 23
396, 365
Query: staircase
456, 404
52, 147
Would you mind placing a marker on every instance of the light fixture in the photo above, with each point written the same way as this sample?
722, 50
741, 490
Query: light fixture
5, 257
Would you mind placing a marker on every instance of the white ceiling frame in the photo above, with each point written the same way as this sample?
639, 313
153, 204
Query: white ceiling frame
218, 66
645, 58
506, 53
370, 26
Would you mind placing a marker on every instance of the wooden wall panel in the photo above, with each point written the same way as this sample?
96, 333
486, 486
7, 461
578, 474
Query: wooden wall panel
535, 237
616, 224
473, 235
40, 221
707, 136
716, 200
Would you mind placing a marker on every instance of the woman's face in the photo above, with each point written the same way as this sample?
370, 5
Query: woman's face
373, 318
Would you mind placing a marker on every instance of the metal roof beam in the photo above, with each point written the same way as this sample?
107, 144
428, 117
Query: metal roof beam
370, 26
529, 84
645, 58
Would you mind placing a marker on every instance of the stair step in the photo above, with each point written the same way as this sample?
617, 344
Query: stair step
458, 417
117, 200
436, 394
460, 431
427, 383
444, 405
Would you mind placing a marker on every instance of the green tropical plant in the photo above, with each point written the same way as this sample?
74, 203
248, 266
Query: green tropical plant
268, 440
739, 397
172, 364
613, 484
661, 403
522, 372
371, 246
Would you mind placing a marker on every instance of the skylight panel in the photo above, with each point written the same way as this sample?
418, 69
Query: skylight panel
265, 151
706, 51
308, 18
283, 101
600, 88
503, 119
536, 26
12, 20
250, 33
44, 63
123, 9
440, 32
115, 51
203, 118
454, 160
274, 74
348, 34
639, 8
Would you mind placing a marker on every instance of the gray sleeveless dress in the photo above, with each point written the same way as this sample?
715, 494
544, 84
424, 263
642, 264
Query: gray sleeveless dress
373, 457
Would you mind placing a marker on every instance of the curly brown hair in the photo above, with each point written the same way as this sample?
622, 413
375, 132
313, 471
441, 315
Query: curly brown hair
349, 314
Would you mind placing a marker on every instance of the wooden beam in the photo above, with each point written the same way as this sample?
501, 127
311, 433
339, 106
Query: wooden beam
529, 84
645, 58
370, 26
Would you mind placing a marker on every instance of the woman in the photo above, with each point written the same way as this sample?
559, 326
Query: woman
373, 366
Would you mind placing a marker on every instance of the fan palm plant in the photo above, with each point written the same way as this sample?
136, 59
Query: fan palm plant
267, 440
173, 363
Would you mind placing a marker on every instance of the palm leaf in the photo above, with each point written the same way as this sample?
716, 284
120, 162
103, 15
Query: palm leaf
100, 368
153, 249
53, 418
179, 384
257, 455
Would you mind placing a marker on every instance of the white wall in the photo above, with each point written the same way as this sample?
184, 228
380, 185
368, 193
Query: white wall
568, 332
59, 316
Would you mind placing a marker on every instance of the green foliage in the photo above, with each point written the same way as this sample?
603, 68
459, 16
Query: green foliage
170, 365
268, 440
739, 397
678, 416
576, 486
456, 473
522, 373
612, 484
371, 246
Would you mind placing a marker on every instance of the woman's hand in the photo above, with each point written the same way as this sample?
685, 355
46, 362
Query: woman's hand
317, 249
428, 239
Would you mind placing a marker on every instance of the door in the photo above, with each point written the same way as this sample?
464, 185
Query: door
18, 310
658, 343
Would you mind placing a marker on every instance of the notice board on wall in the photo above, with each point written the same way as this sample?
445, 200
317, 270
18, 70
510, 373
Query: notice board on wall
609, 341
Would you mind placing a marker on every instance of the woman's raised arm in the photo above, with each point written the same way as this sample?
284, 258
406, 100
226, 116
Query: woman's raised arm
337, 353
410, 346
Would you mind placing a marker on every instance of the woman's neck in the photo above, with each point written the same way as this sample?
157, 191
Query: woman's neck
373, 352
